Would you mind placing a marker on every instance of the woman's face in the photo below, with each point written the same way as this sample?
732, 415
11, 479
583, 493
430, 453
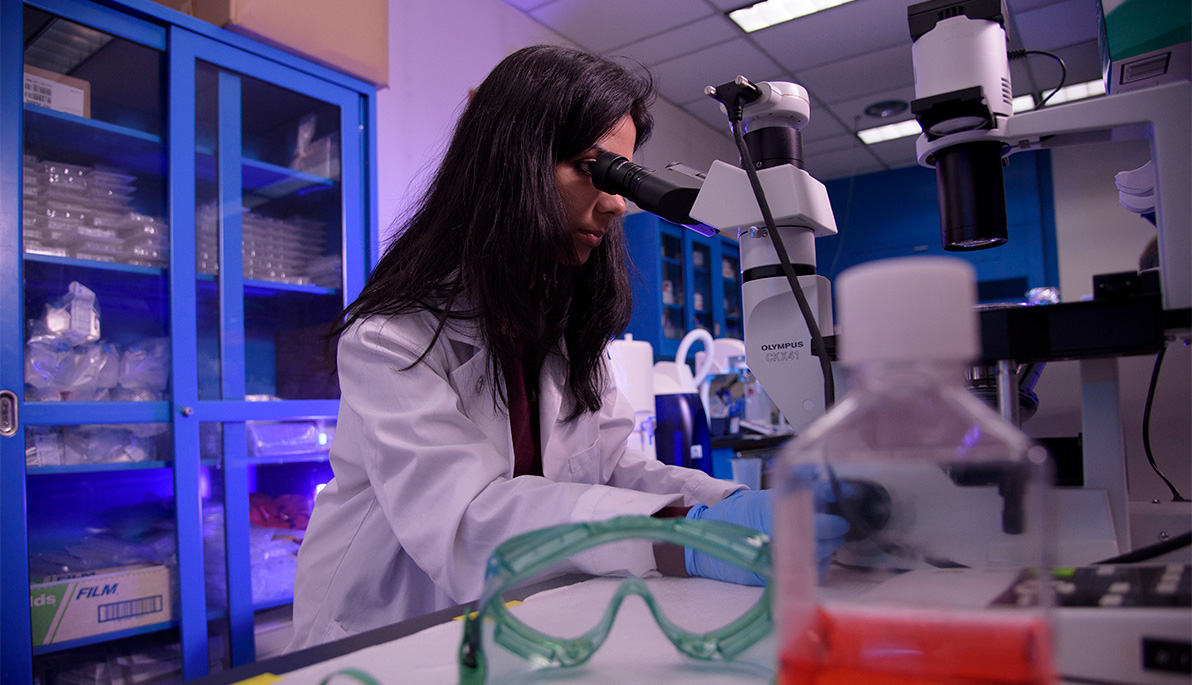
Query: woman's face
590, 211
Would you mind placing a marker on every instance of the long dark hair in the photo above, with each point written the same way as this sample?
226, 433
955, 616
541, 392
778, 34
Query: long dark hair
483, 242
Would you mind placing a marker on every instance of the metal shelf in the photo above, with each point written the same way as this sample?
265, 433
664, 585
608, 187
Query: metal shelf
265, 288
92, 468
118, 146
287, 458
103, 637
90, 264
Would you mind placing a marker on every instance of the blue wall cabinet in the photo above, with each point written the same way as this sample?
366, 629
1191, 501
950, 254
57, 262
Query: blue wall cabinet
683, 280
182, 211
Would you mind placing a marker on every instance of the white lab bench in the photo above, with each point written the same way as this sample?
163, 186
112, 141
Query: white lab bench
425, 650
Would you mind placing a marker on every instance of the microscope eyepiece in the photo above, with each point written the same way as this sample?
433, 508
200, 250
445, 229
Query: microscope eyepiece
667, 193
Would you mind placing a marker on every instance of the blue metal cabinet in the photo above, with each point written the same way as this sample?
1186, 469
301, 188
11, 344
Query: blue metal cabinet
181, 211
683, 280
896, 214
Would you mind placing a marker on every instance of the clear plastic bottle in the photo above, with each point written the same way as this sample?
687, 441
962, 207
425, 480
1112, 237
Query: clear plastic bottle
945, 501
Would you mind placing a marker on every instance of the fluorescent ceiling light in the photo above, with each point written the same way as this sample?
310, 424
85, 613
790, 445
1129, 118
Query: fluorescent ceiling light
879, 134
1022, 103
1076, 91
759, 15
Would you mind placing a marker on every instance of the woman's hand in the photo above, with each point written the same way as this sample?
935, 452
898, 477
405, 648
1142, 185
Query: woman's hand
753, 510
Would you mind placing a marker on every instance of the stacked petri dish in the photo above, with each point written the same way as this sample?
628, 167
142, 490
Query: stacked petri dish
86, 212
281, 250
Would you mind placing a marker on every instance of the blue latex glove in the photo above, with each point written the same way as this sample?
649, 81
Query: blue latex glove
752, 510
744, 508
829, 528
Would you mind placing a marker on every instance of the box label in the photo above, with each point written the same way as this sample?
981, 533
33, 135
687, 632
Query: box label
114, 599
54, 95
130, 608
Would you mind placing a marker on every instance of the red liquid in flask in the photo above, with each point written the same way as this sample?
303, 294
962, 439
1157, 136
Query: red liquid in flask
876, 647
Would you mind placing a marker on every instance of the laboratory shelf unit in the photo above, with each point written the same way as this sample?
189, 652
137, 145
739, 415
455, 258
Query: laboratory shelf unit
183, 211
682, 280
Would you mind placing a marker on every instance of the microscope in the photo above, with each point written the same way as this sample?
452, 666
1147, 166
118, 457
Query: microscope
780, 343
963, 104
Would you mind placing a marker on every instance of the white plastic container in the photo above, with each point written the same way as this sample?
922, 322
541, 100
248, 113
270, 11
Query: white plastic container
632, 364
944, 498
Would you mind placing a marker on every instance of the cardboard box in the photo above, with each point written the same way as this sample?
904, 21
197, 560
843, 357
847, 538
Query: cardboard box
1144, 43
351, 36
57, 91
72, 606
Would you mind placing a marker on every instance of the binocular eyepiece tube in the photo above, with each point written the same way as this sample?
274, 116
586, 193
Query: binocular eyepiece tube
667, 193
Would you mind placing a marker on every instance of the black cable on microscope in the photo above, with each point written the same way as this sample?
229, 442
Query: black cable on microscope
1146, 427
817, 340
1019, 54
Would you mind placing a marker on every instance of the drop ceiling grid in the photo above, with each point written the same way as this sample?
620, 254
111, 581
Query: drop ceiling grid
847, 57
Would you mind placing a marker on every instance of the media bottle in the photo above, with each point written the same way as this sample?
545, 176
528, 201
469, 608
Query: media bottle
935, 581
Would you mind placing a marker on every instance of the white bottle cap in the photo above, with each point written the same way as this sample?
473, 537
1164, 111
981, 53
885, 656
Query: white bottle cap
908, 309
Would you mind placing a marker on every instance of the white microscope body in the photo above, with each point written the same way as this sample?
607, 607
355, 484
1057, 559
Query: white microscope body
777, 341
777, 338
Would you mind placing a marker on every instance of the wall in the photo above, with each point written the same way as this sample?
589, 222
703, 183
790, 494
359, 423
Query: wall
896, 214
440, 49
1095, 235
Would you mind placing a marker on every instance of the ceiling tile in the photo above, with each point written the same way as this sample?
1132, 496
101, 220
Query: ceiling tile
852, 112
823, 125
815, 148
1083, 60
835, 34
875, 73
708, 111
897, 153
842, 164
681, 40
610, 24
1059, 25
1083, 63
682, 80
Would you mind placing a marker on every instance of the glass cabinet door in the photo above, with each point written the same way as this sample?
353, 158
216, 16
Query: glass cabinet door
701, 288
268, 238
730, 276
99, 446
274, 155
674, 287
93, 225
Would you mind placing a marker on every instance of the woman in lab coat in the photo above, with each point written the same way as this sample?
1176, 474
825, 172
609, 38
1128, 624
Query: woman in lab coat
476, 404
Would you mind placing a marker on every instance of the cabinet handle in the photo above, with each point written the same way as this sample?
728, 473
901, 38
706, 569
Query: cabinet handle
8, 414
187, 411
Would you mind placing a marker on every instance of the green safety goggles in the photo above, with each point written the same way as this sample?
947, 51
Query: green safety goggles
521, 557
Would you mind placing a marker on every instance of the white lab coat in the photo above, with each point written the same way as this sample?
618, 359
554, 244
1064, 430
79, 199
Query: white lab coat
423, 488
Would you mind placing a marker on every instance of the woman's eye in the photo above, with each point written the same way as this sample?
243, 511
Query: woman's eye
585, 166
